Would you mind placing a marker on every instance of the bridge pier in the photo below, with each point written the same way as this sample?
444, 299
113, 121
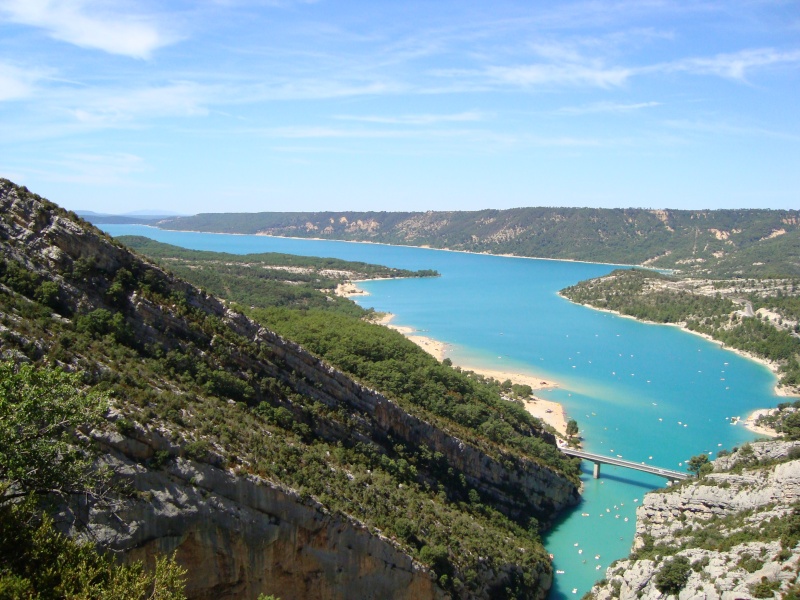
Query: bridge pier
599, 459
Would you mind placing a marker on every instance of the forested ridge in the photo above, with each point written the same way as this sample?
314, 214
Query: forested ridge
341, 332
745, 242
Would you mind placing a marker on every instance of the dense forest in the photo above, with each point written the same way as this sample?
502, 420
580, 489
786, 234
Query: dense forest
751, 315
721, 243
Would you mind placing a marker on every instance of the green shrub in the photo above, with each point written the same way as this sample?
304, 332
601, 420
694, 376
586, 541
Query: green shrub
765, 588
38, 562
672, 577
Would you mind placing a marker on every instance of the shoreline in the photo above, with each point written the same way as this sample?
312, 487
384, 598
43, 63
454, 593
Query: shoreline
752, 418
318, 239
552, 412
549, 412
774, 368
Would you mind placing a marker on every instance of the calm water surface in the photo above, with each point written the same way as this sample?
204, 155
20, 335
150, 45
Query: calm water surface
648, 393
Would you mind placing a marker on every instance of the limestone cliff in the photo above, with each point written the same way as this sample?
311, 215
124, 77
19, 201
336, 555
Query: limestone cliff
733, 534
240, 536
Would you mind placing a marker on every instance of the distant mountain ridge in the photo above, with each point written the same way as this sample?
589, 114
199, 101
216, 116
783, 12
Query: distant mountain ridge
722, 242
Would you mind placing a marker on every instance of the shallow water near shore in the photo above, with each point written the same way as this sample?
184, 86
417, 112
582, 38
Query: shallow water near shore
648, 393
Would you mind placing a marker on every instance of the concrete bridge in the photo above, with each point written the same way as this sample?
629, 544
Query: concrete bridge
599, 459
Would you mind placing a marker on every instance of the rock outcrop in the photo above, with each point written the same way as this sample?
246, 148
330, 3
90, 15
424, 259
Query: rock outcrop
733, 534
241, 536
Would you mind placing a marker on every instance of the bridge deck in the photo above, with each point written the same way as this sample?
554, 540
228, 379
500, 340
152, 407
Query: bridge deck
618, 462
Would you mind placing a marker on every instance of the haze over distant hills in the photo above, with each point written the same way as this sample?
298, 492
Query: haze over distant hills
145, 214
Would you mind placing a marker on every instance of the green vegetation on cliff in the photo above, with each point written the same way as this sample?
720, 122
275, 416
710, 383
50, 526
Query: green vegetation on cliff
380, 357
269, 279
385, 359
42, 464
785, 420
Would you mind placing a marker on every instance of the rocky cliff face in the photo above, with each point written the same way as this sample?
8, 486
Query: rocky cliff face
732, 534
239, 535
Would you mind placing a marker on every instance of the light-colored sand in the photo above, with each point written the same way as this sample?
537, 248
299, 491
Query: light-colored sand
536, 383
348, 289
751, 420
550, 412
431, 346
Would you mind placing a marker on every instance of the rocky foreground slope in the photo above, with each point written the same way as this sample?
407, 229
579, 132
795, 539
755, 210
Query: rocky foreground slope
265, 469
733, 534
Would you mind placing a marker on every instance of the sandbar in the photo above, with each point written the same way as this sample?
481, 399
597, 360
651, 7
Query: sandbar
548, 411
433, 347
348, 289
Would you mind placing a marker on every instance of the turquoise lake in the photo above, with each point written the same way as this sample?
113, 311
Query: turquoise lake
648, 393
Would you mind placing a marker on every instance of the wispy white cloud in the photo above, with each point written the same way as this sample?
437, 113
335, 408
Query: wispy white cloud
92, 169
569, 69
17, 83
735, 65
320, 132
573, 74
554, 64
114, 107
92, 24
466, 140
423, 119
718, 128
258, 3
605, 107
314, 89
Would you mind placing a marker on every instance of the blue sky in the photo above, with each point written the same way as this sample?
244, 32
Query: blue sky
275, 105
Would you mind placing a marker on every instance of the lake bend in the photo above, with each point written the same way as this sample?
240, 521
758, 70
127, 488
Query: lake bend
647, 393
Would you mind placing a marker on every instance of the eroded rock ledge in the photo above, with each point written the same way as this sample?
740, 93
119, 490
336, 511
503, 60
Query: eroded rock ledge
735, 530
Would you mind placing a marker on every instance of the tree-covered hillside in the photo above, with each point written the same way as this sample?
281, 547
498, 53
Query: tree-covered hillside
268, 279
726, 242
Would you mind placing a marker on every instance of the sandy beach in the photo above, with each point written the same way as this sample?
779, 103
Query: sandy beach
750, 422
548, 411
431, 346
348, 289
551, 413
